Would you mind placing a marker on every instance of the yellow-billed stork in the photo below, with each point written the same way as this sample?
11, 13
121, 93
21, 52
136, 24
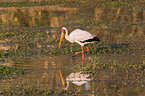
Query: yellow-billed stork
79, 36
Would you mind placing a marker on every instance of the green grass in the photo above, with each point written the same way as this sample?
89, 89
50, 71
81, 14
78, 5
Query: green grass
113, 65
37, 91
73, 3
10, 72
27, 45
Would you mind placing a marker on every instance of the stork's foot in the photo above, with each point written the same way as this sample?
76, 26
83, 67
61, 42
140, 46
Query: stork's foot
76, 53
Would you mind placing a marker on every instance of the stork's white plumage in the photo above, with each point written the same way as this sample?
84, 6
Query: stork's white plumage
79, 36
78, 78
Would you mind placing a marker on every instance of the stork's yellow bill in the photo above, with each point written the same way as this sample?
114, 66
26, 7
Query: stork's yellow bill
62, 35
62, 79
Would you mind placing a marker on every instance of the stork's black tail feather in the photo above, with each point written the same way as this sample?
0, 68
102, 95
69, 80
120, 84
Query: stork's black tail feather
96, 39
92, 40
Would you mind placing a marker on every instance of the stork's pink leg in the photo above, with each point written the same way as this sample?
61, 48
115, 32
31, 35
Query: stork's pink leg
82, 56
81, 51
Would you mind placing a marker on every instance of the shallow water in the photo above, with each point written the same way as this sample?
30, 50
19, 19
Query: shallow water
43, 72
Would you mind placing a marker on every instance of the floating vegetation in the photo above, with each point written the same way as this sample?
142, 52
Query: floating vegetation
111, 65
10, 71
37, 91
113, 70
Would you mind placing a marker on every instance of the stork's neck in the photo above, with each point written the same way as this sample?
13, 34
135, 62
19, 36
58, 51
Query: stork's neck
66, 35
67, 82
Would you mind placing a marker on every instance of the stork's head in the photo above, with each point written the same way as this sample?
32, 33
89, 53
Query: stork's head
63, 31
65, 84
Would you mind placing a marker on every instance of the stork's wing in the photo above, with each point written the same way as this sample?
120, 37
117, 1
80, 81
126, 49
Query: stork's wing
80, 35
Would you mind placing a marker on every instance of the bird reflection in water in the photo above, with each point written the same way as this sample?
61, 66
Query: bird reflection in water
78, 78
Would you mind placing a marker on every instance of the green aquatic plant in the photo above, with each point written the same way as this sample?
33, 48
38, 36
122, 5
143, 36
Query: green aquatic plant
10, 71
21, 90
112, 65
